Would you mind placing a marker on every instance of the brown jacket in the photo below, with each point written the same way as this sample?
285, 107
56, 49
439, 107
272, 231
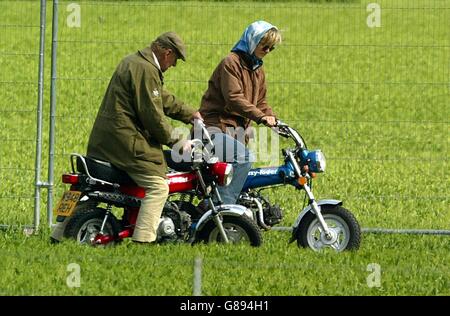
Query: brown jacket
131, 124
236, 95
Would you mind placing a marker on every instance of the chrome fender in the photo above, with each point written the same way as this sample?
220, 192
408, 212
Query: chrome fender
227, 209
309, 209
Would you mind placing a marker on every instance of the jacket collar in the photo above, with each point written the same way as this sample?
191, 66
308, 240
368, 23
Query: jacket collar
148, 55
249, 61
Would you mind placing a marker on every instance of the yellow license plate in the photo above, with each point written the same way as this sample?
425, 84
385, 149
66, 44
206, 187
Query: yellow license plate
67, 203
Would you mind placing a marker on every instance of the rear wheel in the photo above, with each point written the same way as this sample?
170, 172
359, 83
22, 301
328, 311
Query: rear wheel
239, 229
344, 228
58, 231
85, 225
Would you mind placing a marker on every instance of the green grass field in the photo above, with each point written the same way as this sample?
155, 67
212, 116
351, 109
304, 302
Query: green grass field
375, 100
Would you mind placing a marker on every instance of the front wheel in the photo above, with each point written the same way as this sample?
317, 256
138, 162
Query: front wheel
85, 225
239, 229
344, 228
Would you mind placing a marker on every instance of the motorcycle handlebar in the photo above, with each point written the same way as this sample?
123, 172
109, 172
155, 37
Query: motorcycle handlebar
199, 150
199, 123
280, 123
279, 128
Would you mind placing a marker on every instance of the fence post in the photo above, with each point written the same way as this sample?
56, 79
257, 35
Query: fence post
51, 152
37, 191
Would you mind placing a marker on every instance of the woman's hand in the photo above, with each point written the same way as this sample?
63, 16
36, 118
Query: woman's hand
269, 121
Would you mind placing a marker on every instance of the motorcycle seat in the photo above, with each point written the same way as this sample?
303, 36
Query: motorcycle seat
105, 171
177, 166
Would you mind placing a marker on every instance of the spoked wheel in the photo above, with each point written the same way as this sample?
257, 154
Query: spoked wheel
344, 228
238, 229
85, 225
58, 231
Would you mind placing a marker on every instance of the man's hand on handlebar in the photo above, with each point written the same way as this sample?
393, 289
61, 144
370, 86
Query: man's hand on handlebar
196, 116
187, 146
269, 121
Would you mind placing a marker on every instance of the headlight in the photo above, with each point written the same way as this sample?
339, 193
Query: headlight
223, 171
315, 159
228, 176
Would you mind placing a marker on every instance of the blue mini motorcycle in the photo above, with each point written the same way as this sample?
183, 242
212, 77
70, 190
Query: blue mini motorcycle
321, 224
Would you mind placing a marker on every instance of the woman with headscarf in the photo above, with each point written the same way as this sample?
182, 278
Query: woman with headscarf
236, 95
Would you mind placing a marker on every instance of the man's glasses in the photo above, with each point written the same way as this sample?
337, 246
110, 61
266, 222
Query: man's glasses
268, 48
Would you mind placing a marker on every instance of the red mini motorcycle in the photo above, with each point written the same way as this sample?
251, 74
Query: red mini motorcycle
97, 187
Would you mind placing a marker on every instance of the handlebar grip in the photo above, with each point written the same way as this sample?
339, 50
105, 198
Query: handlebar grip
199, 123
280, 123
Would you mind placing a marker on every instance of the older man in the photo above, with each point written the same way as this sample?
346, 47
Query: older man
131, 126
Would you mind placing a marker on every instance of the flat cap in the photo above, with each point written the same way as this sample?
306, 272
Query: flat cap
173, 41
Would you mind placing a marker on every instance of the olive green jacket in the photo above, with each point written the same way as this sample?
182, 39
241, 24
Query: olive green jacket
131, 124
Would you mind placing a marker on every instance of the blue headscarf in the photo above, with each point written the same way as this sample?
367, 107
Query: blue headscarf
250, 39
